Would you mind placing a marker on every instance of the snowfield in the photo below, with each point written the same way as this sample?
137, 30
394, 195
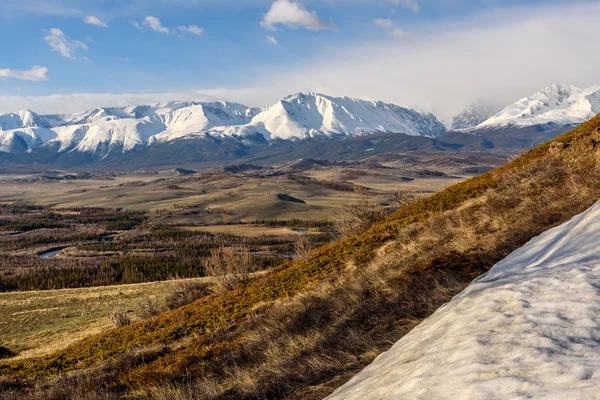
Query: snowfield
529, 328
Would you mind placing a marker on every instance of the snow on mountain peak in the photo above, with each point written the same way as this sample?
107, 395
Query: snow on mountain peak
555, 105
21, 119
308, 114
122, 129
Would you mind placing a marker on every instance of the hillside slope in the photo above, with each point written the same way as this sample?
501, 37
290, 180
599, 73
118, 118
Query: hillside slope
308, 326
527, 328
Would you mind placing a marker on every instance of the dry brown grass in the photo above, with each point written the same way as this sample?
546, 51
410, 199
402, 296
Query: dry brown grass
43, 322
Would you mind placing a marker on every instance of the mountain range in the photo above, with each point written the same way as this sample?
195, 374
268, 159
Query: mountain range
103, 131
214, 130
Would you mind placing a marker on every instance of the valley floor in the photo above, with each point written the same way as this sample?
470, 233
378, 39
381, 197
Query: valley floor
529, 327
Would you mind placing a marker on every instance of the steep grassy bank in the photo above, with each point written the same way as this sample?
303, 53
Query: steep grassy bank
306, 327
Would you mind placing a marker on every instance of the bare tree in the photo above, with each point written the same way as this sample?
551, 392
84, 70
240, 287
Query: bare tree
358, 215
303, 246
229, 268
405, 197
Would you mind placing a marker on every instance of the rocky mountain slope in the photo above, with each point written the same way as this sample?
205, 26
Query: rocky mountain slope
167, 134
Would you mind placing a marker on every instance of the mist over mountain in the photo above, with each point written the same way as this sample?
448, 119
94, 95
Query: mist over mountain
473, 115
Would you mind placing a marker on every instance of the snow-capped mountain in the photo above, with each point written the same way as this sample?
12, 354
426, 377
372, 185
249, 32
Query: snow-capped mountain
554, 106
526, 329
22, 119
473, 115
104, 130
305, 115
119, 130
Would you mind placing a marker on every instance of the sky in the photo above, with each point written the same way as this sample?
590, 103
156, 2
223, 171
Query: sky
61, 56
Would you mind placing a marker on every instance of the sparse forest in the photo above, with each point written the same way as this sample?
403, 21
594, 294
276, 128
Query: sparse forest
101, 247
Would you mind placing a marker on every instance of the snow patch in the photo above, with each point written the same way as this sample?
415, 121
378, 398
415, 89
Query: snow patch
529, 328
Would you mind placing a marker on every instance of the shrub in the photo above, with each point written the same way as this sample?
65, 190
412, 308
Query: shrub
229, 269
357, 216
405, 197
148, 309
185, 293
303, 246
120, 318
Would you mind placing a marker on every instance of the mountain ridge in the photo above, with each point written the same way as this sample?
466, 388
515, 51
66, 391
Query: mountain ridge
106, 130
220, 130
555, 105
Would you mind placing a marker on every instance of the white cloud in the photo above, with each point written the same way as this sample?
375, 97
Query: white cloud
390, 26
36, 73
385, 23
398, 33
77, 102
91, 20
445, 67
193, 29
413, 5
155, 24
272, 40
294, 15
59, 42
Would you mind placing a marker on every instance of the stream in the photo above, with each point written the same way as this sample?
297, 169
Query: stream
55, 251
51, 253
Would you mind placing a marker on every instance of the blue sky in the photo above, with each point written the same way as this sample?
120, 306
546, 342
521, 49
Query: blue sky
254, 51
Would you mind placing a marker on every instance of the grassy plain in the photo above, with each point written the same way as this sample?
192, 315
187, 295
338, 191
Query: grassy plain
218, 197
35, 323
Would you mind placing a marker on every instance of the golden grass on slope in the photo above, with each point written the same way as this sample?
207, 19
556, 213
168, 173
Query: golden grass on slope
420, 266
